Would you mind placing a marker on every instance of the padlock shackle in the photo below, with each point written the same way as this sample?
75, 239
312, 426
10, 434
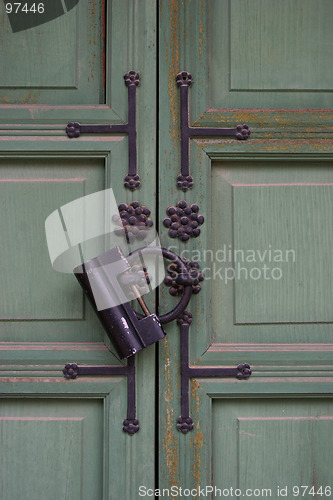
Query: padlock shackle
186, 297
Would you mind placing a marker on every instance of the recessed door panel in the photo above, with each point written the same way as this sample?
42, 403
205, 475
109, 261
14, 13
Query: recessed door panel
58, 54
51, 446
35, 297
272, 444
270, 55
271, 252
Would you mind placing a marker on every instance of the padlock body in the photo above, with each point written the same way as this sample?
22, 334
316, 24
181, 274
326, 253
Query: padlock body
127, 332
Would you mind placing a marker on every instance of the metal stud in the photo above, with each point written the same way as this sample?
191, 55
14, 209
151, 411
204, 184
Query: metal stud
133, 221
175, 280
183, 221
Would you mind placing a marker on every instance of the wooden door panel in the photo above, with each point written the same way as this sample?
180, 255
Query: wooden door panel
71, 68
61, 76
66, 437
281, 52
272, 443
59, 62
52, 446
291, 195
271, 260
270, 56
284, 228
257, 63
264, 435
35, 295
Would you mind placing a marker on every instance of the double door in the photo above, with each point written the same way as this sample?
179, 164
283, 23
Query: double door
264, 247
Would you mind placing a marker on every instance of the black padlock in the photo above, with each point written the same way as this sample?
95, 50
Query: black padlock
128, 333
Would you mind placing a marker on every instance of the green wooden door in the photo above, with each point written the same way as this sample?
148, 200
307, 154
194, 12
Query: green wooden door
63, 439
265, 246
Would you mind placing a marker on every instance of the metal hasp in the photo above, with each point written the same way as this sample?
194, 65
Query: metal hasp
241, 132
75, 129
242, 372
131, 423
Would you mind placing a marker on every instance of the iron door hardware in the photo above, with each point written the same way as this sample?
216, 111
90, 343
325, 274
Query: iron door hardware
241, 132
75, 129
131, 423
129, 330
186, 279
132, 179
241, 372
183, 221
141, 331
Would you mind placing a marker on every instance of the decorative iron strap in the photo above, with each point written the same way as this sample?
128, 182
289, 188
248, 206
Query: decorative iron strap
242, 372
131, 423
241, 132
74, 130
